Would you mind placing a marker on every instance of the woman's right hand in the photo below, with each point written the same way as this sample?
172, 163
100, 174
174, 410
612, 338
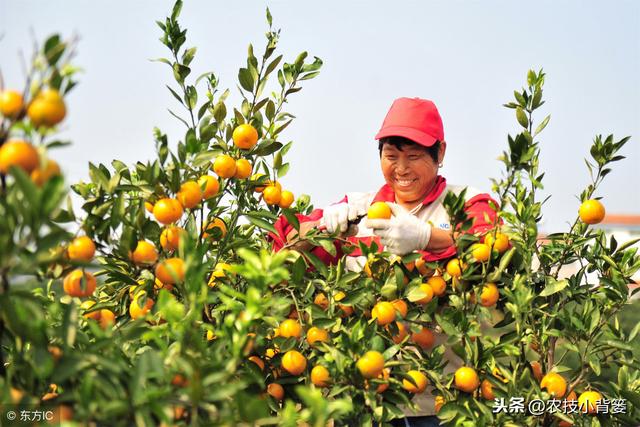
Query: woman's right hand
336, 217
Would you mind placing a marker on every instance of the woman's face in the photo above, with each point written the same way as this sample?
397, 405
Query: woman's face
411, 173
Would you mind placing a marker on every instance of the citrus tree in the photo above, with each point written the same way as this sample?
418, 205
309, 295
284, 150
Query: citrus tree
168, 305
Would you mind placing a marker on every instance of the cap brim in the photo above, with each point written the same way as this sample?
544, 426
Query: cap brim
415, 135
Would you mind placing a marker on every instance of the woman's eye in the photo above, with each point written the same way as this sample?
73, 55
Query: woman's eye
414, 157
392, 158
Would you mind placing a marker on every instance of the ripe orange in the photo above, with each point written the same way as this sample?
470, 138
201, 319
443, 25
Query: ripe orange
211, 336
212, 225
107, 318
209, 186
255, 178
379, 210
438, 285
454, 268
224, 166
145, 253
439, 402
20, 154
272, 195
321, 301
480, 252
243, 169
47, 109
290, 328
424, 338
170, 237
466, 379
81, 249
286, 199
402, 333
591, 211
86, 305
426, 289
136, 311
347, 310
486, 388
167, 210
315, 335
294, 362
179, 380
536, 368
500, 243
41, 175
170, 271
245, 136
257, 361
555, 384
11, 103
72, 283
148, 207
386, 372
401, 307
320, 376
190, 194
420, 382
276, 391
371, 364
384, 312
489, 295
587, 402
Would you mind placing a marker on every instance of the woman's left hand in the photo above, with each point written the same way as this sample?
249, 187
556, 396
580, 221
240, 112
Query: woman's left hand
403, 233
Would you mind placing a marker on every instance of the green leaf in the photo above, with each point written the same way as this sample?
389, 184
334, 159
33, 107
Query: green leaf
554, 286
261, 223
522, 117
246, 79
542, 125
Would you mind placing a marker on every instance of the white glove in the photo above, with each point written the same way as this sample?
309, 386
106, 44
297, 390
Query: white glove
336, 217
403, 233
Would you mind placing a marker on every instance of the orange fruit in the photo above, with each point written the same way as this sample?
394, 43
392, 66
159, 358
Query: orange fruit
190, 194
276, 391
257, 361
145, 253
321, 301
170, 237
272, 195
401, 307
243, 169
454, 268
371, 364
320, 376
179, 380
245, 136
290, 328
587, 402
466, 379
500, 243
56, 353
591, 211
294, 362
148, 207
47, 109
224, 166
86, 305
420, 382
438, 285
379, 210
72, 283
347, 310
170, 270
211, 336
209, 186
107, 318
486, 388
536, 368
555, 384
211, 225
11, 103
424, 338
41, 175
167, 210
81, 249
218, 272
286, 199
255, 178
386, 372
439, 402
480, 252
20, 154
384, 312
489, 295
402, 333
315, 335
424, 287
136, 311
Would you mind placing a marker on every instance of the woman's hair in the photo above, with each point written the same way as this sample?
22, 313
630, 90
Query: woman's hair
399, 142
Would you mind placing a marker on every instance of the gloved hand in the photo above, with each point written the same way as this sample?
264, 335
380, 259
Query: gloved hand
403, 233
336, 217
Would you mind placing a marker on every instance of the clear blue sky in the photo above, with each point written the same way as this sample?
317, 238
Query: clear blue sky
467, 56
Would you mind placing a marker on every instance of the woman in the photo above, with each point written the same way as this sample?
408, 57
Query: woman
412, 148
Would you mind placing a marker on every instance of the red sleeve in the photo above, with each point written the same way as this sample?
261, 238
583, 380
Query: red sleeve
283, 228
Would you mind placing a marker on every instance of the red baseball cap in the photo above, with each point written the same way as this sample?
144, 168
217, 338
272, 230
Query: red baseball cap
413, 118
